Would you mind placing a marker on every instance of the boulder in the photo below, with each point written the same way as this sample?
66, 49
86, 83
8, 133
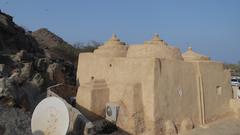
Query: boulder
2, 67
187, 124
23, 55
37, 80
55, 73
170, 128
41, 64
24, 95
26, 71
2, 70
8, 91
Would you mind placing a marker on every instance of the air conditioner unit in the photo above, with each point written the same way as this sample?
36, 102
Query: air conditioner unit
112, 112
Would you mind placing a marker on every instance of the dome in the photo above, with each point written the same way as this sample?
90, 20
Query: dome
155, 48
113, 48
190, 55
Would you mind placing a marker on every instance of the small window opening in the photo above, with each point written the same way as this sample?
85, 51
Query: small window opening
219, 90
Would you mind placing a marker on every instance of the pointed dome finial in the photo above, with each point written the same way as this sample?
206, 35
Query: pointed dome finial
189, 48
156, 34
114, 40
114, 37
156, 40
156, 37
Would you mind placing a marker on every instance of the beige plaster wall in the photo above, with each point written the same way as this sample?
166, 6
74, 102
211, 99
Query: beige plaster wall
217, 89
176, 95
120, 74
177, 88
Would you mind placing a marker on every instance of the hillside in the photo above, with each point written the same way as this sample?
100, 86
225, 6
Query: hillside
54, 46
27, 68
14, 38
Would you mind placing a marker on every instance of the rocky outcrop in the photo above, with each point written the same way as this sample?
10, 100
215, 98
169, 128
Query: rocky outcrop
47, 39
54, 46
29, 64
14, 38
25, 79
26, 70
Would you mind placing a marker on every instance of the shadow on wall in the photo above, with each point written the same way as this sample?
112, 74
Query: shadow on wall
38, 133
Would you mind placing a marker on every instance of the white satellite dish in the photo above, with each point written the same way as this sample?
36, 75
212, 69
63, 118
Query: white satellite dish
50, 117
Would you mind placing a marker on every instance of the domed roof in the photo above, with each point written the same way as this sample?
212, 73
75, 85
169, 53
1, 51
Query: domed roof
155, 48
190, 55
113, 47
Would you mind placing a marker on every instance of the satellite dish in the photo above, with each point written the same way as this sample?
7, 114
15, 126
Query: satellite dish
50, 117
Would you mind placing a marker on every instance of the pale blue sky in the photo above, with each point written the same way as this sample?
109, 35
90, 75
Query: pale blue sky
211, 27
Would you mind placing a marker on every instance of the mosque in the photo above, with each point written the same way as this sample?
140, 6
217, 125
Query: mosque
154, 88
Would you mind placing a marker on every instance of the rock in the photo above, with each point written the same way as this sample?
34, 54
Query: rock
47, 39
23, 56
70, 73
14, 121
2, 70
23, 96
2, 86
170, 128
31, 92
2, 67
10, 92
20, 55
41, 64
54, 46
186, 125
37, 80
13, 38
16, 77
55, 73
26, 70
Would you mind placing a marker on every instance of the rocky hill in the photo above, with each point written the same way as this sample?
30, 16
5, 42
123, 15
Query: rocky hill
14, 38
54, 46
27, 68
46, 38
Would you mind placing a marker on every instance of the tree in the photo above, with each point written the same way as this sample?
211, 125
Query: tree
235, 68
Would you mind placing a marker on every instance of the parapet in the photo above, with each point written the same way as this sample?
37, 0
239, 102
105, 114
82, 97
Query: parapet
156, 48
112, 48
190, 55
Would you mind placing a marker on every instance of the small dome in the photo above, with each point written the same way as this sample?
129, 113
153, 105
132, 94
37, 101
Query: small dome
113, 47
190, 55
155, 48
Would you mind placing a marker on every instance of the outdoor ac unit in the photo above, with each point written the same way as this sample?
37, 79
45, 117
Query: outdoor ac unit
112, 112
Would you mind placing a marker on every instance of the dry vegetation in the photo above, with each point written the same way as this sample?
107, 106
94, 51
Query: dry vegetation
235, 68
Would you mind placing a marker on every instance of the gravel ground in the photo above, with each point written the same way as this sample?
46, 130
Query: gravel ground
14, 121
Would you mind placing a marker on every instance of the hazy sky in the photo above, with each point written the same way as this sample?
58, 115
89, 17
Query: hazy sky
211, 27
